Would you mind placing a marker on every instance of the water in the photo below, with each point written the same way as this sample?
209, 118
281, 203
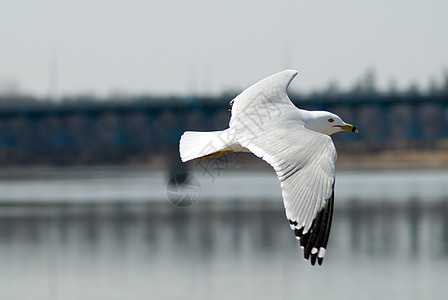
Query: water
115, 236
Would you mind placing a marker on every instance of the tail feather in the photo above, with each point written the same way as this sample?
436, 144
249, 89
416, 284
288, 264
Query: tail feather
194, 144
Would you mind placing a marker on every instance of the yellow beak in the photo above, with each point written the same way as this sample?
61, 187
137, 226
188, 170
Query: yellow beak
349, 127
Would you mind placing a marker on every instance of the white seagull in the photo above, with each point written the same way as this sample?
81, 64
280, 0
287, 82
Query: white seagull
295, 142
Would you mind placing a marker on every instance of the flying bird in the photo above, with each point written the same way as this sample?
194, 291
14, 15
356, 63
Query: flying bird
295, 142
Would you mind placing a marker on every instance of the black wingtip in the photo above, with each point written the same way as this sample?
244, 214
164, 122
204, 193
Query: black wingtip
315, 240
298, 232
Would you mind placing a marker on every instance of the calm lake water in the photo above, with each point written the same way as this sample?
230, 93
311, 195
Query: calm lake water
114, 235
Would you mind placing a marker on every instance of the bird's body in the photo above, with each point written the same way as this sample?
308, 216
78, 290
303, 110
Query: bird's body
295, 142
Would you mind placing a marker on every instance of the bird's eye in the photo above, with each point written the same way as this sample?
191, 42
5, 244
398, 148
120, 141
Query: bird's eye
331, 120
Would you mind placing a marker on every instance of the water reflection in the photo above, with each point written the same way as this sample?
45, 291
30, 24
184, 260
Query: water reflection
238, 250
412, 229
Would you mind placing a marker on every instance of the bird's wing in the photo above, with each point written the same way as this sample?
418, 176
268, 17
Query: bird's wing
267, 123
304, 163
270, 91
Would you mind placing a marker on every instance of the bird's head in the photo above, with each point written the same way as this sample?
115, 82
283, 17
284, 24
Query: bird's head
326, 122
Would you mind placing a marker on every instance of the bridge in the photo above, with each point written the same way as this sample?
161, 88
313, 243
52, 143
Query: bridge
131, 130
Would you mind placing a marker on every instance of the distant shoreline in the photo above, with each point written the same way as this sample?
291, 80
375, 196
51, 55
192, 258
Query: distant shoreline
394, 160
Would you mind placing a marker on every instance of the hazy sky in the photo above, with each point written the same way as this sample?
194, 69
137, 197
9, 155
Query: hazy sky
203, 46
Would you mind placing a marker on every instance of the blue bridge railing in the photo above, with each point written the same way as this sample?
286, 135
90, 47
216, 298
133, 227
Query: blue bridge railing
115, 130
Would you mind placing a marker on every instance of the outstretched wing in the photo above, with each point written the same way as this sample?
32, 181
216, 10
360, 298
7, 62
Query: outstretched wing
269, 91
304, 163
270, 126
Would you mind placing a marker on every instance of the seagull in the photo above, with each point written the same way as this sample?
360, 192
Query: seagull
295, 142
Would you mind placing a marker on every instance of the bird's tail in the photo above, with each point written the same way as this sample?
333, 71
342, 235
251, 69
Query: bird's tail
194, 144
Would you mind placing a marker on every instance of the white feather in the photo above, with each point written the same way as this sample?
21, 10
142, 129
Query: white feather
195, 144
